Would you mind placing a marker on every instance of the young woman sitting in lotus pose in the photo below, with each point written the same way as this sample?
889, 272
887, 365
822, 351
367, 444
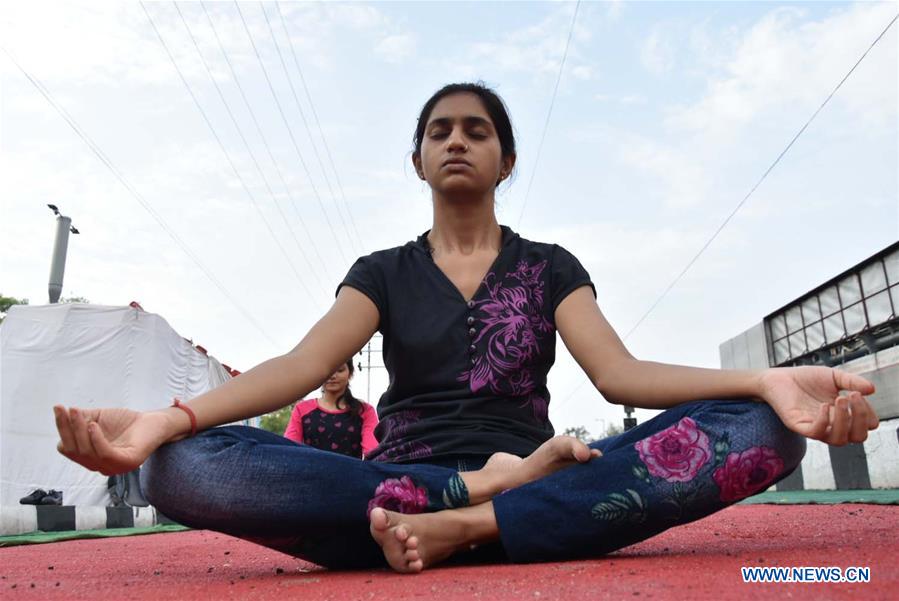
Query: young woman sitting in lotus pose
467, 457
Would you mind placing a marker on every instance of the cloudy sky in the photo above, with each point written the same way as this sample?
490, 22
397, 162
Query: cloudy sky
297, 159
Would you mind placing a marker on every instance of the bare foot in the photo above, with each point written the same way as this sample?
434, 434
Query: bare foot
555, 454
413, 542
504, 471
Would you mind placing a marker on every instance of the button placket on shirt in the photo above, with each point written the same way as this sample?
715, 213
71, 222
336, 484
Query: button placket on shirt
472, 332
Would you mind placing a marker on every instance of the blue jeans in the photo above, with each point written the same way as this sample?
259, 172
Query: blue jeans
682, 465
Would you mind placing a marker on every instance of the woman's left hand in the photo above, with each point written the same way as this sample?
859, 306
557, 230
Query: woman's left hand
808, 401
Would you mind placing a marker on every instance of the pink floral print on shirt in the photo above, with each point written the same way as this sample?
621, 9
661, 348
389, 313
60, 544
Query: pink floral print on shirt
513, 328
393, 447
677, 453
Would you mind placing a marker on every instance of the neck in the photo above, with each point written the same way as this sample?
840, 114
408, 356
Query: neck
464, 226
329, 399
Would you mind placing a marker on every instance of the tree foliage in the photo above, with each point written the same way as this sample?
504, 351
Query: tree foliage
579, 432
8, 301
583, 434
613, 430
276, 421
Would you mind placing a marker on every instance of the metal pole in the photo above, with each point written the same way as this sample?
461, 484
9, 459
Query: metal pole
368, 372
629, 422
58, 267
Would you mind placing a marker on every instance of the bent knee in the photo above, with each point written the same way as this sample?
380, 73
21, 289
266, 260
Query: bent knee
162, 475
769, 430
171, 475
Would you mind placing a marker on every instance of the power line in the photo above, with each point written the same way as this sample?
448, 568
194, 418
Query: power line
318, 124
306, 125
228, 156
247, 146
261, 134
549, 113
137, 196
745, 198
758, 183
289, 130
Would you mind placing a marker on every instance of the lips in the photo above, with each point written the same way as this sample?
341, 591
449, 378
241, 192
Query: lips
451, 162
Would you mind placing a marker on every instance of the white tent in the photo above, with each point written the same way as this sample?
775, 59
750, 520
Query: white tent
85, 356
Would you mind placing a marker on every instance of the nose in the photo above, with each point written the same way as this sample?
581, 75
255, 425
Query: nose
455, 141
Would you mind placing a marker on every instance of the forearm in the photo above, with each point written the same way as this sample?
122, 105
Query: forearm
650, 385
273, 384
267, 387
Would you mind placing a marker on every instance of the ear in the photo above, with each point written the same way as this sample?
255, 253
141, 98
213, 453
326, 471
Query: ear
508, 163
419, 170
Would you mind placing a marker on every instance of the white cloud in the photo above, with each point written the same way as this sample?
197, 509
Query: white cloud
582, 72
316, 26
614, 9
624, 99
118, 45
786, 62
396, 48
115, 43
682, 180
633, 99
536, 49
358, 16
775, 73
657, 53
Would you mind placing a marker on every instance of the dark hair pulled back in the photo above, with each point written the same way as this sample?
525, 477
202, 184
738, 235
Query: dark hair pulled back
493, 104
347, 399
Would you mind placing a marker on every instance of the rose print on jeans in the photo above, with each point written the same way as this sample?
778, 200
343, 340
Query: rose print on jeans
744, 474
399, 495
679, 465
677, 453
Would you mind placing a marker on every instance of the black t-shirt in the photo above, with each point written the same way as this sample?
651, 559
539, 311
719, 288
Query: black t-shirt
466, 377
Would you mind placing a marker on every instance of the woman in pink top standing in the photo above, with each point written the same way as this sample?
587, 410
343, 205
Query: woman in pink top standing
338, 421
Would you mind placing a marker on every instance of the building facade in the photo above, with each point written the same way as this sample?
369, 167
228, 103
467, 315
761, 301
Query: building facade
851, 322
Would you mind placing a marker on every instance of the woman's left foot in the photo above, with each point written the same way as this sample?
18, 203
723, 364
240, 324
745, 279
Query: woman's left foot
555, 454
504, 471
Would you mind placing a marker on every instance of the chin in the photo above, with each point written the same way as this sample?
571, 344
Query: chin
458, 190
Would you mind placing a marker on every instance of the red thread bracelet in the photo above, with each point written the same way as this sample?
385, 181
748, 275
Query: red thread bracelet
190, 414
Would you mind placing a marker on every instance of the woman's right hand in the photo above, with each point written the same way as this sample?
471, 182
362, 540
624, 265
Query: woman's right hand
110, 441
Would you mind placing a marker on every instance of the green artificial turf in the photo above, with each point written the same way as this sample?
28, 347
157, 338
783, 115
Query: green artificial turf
888, 496
36, 538
884, 496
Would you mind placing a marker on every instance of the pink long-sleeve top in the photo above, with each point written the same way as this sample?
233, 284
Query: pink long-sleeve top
338, 431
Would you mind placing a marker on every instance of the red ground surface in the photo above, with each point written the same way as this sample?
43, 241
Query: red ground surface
697, 561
